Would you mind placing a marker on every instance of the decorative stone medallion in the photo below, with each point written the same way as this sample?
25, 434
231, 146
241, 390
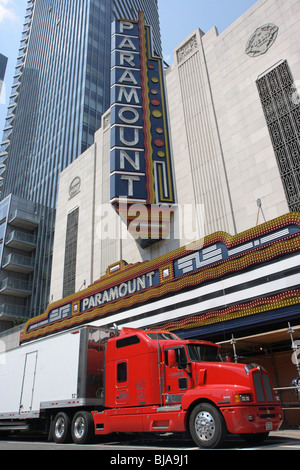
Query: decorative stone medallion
261, 40
75, 187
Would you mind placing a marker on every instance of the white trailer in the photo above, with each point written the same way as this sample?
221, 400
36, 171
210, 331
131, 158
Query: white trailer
44, 383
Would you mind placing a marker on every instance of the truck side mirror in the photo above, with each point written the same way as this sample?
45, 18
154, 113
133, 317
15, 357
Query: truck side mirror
172, 358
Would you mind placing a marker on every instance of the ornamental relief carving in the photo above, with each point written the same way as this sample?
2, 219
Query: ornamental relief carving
74, 187
261, 40
188, 47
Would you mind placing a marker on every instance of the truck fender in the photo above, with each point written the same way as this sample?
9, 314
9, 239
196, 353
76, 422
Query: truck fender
196, 395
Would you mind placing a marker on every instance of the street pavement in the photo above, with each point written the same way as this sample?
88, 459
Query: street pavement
154, 445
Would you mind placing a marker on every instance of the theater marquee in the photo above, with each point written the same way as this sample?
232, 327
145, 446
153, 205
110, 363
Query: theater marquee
221, 279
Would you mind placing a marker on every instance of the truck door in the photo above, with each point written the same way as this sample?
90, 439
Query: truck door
177, 379
28, 383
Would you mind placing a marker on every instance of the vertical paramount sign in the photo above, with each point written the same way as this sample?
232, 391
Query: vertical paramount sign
141, 181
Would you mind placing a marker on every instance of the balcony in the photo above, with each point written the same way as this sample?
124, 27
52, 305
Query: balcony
24, 220
21, 241
3, 157
15, 287
11, 312
2, 170
18, 264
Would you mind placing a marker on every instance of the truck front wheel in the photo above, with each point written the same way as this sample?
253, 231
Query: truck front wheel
82, 428
207, 426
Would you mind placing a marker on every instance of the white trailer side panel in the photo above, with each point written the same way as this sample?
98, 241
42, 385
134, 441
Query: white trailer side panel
42, 371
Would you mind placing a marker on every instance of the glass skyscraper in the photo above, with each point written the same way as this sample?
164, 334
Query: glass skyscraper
3, 64
61, 89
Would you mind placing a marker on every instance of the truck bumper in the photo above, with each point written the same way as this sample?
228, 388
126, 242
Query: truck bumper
253, 419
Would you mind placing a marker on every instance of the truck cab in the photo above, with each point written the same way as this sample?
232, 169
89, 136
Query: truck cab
180, 385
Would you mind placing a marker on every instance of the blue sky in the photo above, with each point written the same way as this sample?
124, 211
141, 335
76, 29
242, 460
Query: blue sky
178, 18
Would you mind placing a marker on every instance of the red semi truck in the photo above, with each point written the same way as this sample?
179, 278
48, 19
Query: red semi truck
90, 382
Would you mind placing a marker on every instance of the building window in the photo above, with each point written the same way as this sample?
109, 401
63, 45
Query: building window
71, 253
281, 105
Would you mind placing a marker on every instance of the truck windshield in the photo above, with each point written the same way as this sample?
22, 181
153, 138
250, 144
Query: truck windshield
203, 353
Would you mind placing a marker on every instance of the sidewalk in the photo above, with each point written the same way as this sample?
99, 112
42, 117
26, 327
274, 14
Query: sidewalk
288, 433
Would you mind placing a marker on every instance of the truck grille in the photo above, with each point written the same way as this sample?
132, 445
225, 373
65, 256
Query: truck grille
263, 387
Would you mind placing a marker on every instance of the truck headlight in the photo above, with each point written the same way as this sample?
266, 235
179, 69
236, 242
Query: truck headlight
242, 398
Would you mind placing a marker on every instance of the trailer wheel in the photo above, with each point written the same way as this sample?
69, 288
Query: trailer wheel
207, 426
61, 428
82, 429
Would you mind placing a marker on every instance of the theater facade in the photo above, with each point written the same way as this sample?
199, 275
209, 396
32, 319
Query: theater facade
242, 291
185, 213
